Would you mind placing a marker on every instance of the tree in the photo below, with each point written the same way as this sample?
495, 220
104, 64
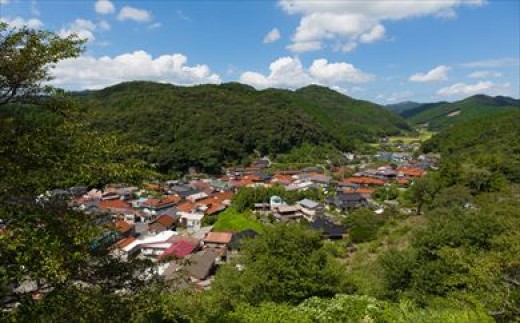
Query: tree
363, 225
45, 143
285, 264
27, 55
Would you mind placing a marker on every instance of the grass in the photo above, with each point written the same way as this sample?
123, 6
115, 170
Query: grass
423, 136
232, 220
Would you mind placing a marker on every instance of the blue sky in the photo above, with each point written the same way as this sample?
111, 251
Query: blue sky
385, 51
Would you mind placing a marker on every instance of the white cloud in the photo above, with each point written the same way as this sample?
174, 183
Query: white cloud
482, 87
4, 2
34, 8
130, 13
288, 72
490, 63
104, 25
484, 74
272, 36
302, 47
87, 72
439, 73
19, 22
154, 26
373, 35
83, 28
333, 73
104, 7
358, 21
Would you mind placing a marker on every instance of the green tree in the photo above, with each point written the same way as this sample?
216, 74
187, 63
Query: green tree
285, 264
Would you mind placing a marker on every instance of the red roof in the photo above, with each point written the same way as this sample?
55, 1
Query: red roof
218, 237
125, 242
165, 220
114, 204
214, 203
361, 190
282, 179
162, 202
365, 181
179, 249
123, 226
411, 171
402, 181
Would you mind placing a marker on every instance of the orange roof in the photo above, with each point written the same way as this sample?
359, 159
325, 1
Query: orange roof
123, 226
125, 242
283, 179
153, 186
214, 203
170, 199
365, 180
411, 171
114, 204
218, 237
165, 220
361, 190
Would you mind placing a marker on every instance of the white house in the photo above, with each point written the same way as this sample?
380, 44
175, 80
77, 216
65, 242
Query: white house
191, 221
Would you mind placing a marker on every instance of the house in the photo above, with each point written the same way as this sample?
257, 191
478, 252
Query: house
153, 205
162, 223
217, 239
345, 201
191, 221
287, 212
124, 228
201, 264
180, 248
153, 245
365, 181
410, 172
261, 163
328, 229
310, 208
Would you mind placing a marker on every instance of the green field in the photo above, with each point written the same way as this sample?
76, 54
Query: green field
232, 220
423, 136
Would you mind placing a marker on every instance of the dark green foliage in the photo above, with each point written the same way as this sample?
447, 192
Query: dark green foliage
491, 145
285, 264
441, 115
363, 225
209, 126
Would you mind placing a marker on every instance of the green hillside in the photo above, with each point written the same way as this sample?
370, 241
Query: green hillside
209, 126
443, 114
349, 117
488, 143
402, 107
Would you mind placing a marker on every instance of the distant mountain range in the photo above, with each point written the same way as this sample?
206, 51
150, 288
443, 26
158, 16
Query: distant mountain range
439, 115
209, 126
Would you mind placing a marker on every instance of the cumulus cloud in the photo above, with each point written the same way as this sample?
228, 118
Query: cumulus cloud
19, 22
272, 36
82, 28
302, 47
87, 72
104, 7
484, 74
482, 87
130, 13
439, 73
288, 72
350, 21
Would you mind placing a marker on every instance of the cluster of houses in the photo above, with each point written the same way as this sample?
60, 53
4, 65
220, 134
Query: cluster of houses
167, 222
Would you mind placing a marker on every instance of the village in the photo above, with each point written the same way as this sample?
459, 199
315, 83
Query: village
173, 223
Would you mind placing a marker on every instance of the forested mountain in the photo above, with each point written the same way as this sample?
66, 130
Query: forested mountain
401, 107
488, 143
208, 126
443, 114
